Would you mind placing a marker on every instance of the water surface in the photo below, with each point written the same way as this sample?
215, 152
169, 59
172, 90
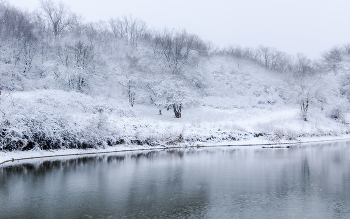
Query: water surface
310, 181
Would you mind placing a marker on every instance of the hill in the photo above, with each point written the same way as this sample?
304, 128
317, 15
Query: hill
102, 84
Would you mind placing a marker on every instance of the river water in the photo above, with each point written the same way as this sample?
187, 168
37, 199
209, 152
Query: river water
307, 181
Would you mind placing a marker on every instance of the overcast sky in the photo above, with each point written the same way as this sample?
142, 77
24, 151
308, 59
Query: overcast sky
292, 26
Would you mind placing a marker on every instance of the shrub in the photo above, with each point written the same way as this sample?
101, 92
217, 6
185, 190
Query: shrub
337, 113
291, 135
278, 134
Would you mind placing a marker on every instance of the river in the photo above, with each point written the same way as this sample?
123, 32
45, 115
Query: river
304, 181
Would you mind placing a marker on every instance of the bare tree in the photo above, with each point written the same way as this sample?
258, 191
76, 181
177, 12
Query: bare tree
29, 50
308, 91
91, 32
159, 94
15, 24
17, 37
304, 98
177, 110
132, 66
269, 58
265, 54
176, 48
58, 16
103, 35
333, 58
78, 60
131, 92
64, 54
280, 62
83, 55
130, 29
235, 51
303, 65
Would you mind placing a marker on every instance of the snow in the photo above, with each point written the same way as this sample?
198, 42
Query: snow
8, 158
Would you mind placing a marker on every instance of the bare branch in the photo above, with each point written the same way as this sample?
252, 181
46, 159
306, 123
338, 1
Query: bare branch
59, 16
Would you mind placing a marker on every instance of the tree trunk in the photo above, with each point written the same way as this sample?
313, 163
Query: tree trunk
177, 110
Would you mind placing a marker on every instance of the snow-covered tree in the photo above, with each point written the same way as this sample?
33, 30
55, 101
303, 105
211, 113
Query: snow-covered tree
171, 93
159, 95
175, 48
308, 89
130, 30
59, 16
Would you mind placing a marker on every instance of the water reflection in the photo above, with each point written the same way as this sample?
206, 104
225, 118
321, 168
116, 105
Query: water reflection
301, 182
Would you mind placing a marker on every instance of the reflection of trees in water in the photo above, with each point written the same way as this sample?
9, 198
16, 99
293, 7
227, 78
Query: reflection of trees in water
40, 169
305, 176
34, 173
158, 185
44, 184
284, 187
176, 153
319, 172
179, 153
37, 171
52, 165
148, 154
162, 194
337, 158
341, 198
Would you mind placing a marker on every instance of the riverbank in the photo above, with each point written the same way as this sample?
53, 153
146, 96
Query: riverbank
9, 158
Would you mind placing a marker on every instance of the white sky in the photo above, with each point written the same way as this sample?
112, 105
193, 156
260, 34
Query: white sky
292, 26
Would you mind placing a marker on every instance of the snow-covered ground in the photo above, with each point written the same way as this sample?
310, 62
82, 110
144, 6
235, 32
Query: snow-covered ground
68, 118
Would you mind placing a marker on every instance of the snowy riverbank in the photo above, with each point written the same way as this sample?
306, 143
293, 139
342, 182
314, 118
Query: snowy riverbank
9, 158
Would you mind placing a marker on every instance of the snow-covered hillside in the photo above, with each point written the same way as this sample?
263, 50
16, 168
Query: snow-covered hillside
105, 84
233, 105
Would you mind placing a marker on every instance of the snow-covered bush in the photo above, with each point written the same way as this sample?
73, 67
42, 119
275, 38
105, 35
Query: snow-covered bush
290, 135
277, 135
56, 119
337, 113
